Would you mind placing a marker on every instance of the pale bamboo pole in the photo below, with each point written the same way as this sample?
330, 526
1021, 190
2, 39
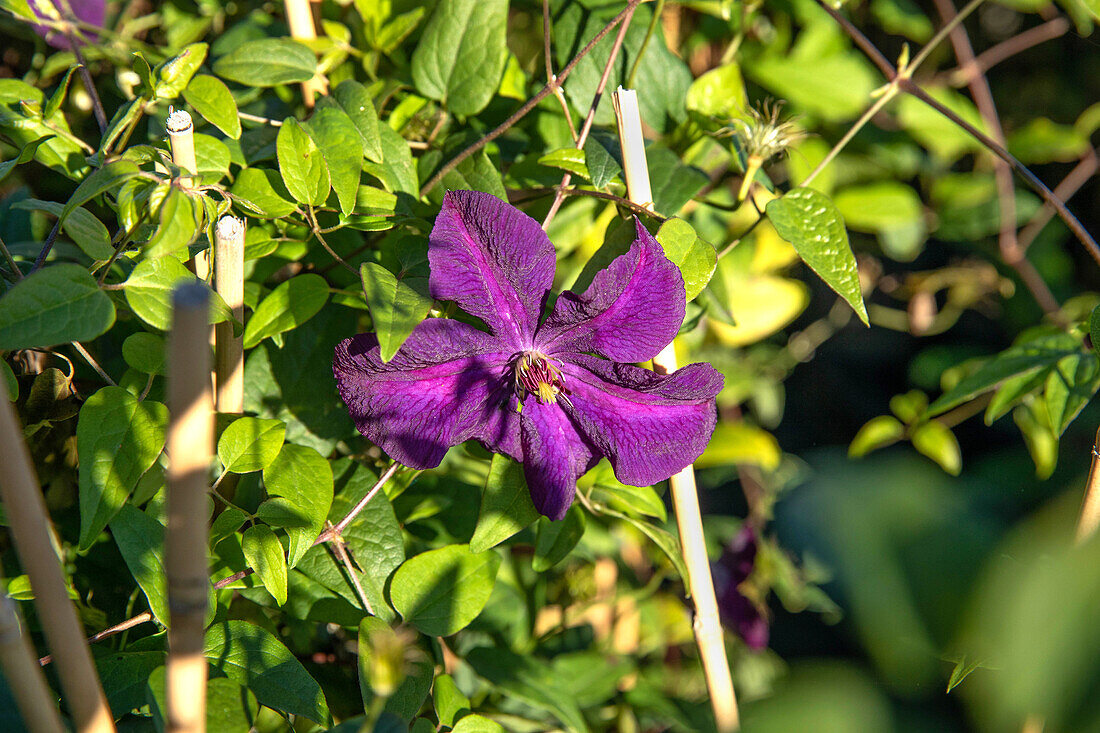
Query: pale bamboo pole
190, 447
30, 528
299, 17
37, 705
229, 282
181, 138
685, 498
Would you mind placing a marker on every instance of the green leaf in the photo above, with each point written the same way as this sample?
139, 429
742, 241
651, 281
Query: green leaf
55, 305
250, 444
149, 292
448, 700
601, 486
476, 173
117, 440
336, 136
396, 306
557, 539
109, 176
461, 54
11, 384
86, 231
528, 679
263, 190
228, 522
398, 171
740, 442
357, 104
964, 665
1017, 360
374, 539
939, 135
568, 159
1070, 385
441, 591
1012, 391
288, 306
935, 440
603, 162
506, 506
294, 383
145, 352
177, 226
302, 476
673, 182
26, 154
663, 76
229, 706
211, 98
265, 555
256, 659
878, 432
267, 62
140, 539
808, 219
301, 164
477, 724
125, 678
175, 74
834, 87
695, 256
1041, 441
889, 209
719, 93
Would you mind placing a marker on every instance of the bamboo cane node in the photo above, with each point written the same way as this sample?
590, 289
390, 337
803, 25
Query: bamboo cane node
183, 606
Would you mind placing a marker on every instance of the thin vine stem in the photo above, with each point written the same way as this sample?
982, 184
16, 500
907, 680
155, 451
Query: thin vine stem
586, 128
910, 87
530, 104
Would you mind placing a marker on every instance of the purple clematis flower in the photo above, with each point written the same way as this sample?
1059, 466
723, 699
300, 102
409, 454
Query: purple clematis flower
737, 611
535, 391
92, 12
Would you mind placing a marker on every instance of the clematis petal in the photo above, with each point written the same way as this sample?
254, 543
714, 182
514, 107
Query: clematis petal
447, 384
494, 261
630, 312
554, 456
92, 12
648, 425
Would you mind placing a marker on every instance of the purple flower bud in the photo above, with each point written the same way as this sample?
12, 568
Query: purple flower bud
738, 612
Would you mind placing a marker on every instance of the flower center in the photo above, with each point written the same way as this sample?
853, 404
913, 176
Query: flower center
536, 374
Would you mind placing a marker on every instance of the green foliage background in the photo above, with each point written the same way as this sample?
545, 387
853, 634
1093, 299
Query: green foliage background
919, 566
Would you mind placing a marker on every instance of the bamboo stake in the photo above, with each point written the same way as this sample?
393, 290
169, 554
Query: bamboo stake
30, 528
37, 705
181, 137
299, 17
229, 281
685, 498
190, 445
